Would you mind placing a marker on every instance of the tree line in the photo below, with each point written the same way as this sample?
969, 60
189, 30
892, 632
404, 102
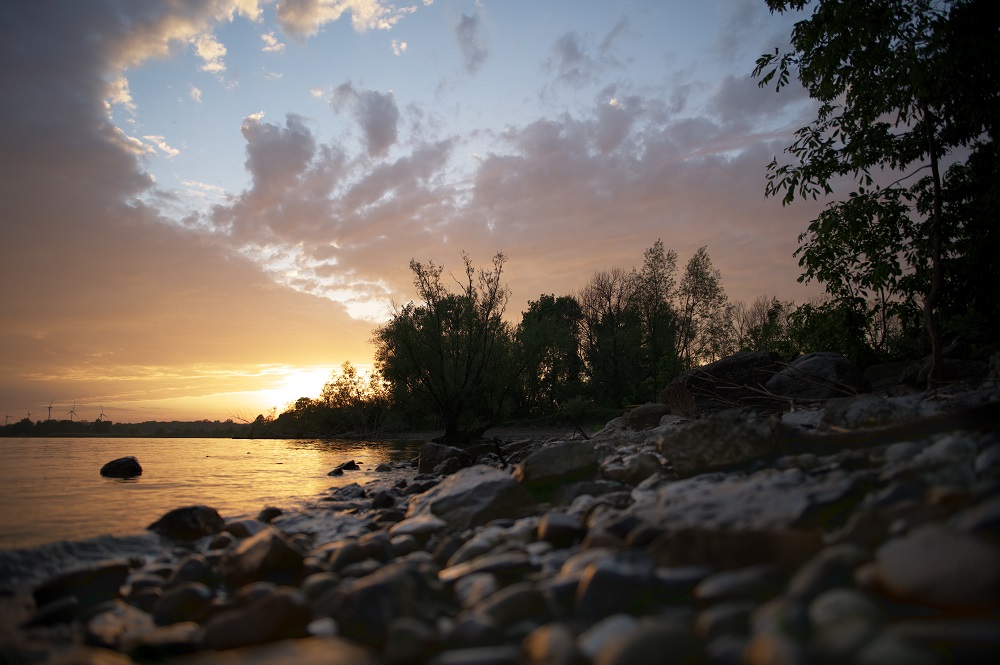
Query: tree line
454, 360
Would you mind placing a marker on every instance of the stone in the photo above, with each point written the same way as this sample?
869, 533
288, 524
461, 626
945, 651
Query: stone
307, 651
758, 583
192, 568
433, 454
551, 644
283, 613
420, 527
448, 466
640, 466
557, 464
188, 523
408, 640
865, 411
118, 628
184, 602
364, 608
268, 556
514, 603
652, 642
175, 639
506, 565
720, 384
833, 567
123, 467
647, 416
471, 497
488, 655
727, 618
90, 585
268, 513
474, 588
560, 529
723, 439
621, 583
565, 494
245, 528
938, 566
383, 499
598, 636
818, 376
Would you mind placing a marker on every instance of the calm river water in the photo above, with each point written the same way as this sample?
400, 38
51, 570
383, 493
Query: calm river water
51, 489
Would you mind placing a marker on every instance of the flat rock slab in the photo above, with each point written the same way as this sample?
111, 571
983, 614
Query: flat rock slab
764, 500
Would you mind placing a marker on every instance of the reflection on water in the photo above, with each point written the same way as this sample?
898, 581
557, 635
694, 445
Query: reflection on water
51, 489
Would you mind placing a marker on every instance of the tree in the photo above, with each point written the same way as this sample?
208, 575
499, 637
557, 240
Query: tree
702, 312
761, 325
655, 289
898, 92
448, 353
358, 401
548, 342
610, 335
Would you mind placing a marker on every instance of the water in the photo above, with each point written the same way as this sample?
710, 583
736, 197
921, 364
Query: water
51, 489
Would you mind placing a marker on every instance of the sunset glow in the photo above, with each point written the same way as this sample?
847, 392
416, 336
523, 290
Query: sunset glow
208, 208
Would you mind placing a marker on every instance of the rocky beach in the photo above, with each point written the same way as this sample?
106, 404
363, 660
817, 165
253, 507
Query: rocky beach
759, 513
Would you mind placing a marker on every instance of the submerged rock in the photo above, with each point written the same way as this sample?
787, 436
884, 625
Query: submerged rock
123, 467
189, 523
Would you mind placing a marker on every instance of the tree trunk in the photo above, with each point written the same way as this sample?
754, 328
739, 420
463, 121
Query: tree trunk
931, 301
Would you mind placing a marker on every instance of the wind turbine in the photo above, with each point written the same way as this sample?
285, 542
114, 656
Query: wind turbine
6, 418
29, 415
50, 408
102, 413
72, 412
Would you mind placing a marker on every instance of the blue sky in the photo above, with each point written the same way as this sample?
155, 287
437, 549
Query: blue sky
212, 203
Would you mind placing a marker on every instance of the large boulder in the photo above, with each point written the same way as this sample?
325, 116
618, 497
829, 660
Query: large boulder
433, 454
189, 523
123, 467
647, 416
733, 380
557, 464
818, 376
472, 496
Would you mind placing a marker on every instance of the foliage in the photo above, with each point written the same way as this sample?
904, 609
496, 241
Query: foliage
655, 291
898, 92
702, 313
451, 353
547, 340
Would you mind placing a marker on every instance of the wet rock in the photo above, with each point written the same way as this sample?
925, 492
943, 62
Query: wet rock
188, 523
245, 528
721, 440
119, 628
184, 602
192, 568
349, 465
557, 464
433, 454
282, 613
349, 493
818, 376
473, 496
506, 565
647, 416
269, 556
123, 467
938, 566
420, 527
90, 586
268, 513
384, 499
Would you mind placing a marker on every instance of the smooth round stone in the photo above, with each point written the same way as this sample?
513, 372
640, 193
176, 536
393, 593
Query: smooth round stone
551, 644
560, 529
421, 526
729, 618
837, 605
832, 567
652, 642
185, 602
752, 583
517, 602
409, 640
473, 589
193, 568
595, 638
939, 566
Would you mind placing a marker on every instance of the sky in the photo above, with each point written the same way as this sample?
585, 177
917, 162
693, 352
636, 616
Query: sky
208, 205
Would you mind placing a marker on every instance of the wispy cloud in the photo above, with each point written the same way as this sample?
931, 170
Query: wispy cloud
271, 43
473, 42
161, 143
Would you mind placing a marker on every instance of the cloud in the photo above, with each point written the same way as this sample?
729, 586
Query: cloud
161, 143
271, 43
212, 52
473, 43
398, 47
577, 59
195, 94
304, 18
375, 112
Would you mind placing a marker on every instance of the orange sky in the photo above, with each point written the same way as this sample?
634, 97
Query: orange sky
207, 210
